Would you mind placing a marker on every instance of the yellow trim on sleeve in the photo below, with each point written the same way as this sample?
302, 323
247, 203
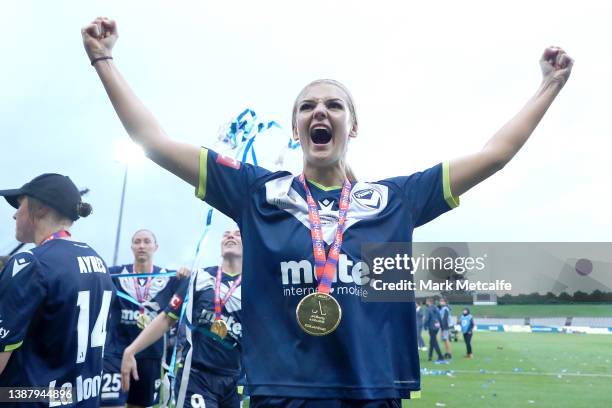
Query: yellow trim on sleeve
12, 347
240, 389
415, 394
451, 200
201, 190
172, 316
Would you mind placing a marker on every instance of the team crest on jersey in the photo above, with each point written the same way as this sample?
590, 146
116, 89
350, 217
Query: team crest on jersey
228, 161
368, 197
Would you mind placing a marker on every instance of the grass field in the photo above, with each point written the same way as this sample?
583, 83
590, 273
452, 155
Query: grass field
574, 310
512, 370
523, 370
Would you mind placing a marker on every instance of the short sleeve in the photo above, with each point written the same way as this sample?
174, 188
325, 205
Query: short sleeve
224, 182
173, 308
428, 193
22, 291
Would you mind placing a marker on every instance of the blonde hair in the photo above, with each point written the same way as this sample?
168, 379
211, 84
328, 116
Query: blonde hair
351, 106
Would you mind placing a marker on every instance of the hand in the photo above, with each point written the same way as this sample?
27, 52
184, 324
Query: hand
129, 367
183, 272
556, 66
99, 37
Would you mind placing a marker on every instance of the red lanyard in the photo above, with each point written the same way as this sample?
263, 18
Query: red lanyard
219, 303
56, 235
326, 267
142, 297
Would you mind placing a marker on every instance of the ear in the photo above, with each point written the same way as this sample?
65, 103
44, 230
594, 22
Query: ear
353, 131
41, 211
295, 136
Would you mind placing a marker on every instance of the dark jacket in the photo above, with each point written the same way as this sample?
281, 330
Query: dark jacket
445, 318
432, 318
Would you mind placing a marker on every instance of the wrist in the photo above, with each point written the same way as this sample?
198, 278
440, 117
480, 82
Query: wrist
129, 351
550, 88
100, 58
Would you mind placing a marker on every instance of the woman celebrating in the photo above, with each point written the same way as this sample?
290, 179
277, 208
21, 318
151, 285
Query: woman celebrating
54, 299
309, 340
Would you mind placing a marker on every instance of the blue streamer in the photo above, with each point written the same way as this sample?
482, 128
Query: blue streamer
239, 134
142, 275
128, 298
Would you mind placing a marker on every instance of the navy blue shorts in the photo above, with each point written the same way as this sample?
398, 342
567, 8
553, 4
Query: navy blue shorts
279, 402
144, 392
207, 390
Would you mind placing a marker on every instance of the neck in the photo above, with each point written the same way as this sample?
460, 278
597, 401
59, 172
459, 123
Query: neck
46, 228
143, 267
326, 176
232, 265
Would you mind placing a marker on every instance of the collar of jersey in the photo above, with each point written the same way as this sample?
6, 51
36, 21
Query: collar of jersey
324, 188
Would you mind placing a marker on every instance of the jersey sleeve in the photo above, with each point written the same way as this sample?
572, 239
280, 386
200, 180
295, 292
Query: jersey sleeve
224, 182
22, 290
173, 308
428, 193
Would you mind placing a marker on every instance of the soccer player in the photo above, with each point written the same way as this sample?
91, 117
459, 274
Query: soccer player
308, 338
212, 365
147, 297
54, 298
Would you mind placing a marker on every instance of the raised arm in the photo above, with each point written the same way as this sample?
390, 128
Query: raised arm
182, 159
466, 172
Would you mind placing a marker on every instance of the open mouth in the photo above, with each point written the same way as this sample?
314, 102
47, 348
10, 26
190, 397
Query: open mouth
320, 135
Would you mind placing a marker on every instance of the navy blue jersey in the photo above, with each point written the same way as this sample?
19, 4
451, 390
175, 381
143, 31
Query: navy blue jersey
54, 306
373, 353
124, 314
207, 352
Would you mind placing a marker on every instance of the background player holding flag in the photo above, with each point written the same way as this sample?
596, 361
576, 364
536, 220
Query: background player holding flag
212, 365
54, 298
139, 301
367, 354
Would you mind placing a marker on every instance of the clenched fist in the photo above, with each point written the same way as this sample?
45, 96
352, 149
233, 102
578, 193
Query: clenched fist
99, 37
556, 65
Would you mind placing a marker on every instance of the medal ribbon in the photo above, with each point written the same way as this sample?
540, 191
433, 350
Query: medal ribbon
142, 297
56, 235
326, 266
219, 303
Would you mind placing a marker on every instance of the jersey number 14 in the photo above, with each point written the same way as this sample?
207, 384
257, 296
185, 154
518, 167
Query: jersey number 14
98, 333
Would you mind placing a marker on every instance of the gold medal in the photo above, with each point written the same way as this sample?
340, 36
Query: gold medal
318, 314
219, 327
143, 320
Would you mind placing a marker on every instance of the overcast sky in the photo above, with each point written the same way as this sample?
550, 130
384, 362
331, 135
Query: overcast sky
431, 80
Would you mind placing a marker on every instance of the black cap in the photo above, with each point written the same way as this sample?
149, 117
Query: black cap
54, 190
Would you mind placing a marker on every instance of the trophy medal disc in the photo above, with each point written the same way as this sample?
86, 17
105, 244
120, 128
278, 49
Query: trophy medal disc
219, 328
318, 314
